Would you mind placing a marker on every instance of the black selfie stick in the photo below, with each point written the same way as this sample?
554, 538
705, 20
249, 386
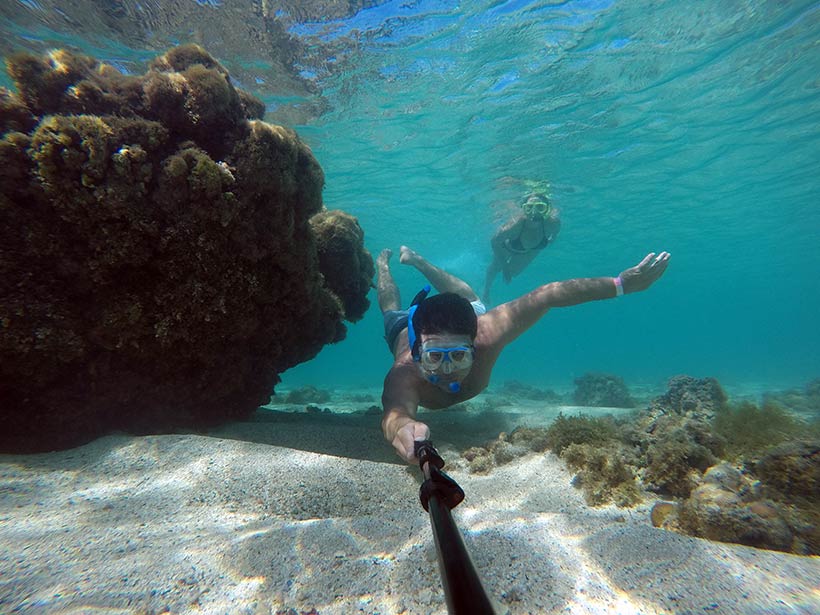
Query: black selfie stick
439, 494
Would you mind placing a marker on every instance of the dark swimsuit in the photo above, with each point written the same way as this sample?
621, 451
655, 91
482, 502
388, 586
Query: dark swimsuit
516, 247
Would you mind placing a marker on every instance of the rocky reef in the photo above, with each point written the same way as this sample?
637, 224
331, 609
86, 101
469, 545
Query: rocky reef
605, 390
161, 250
731, 472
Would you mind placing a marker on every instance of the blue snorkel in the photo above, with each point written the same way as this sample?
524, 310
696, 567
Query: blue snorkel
415, 343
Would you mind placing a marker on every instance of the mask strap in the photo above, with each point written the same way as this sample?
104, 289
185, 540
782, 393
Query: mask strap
411, 333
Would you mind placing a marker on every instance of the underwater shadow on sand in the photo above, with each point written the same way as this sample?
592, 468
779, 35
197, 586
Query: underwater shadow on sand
358, 435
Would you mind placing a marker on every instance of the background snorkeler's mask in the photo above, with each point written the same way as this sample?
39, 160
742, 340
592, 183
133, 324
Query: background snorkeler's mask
536, 205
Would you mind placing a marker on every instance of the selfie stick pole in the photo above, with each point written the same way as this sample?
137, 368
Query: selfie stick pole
439, 494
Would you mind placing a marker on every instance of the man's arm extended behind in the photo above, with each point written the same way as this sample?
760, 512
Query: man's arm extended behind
509, 320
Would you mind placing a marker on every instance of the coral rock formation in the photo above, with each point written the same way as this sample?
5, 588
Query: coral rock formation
346, 265
157, 263
699, 397
603, 390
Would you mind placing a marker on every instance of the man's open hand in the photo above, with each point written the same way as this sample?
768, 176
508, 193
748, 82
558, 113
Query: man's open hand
643, 275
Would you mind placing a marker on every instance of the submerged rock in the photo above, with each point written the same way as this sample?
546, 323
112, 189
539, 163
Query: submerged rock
661, 512
158, 267
699, 398
768, 497
793, 469
721, 514
604, 390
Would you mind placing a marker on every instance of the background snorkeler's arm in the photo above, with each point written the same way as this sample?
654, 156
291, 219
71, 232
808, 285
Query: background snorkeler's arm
400, 401
506, 322
553, 226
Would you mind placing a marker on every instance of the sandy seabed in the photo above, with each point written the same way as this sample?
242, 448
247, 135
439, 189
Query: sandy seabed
311, 513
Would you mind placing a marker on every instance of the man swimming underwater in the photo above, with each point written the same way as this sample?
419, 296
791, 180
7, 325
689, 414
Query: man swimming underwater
445, 345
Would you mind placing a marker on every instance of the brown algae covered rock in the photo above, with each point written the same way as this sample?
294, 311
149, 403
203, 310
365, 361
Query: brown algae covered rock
793, 469
157, 264
721, 514
343, 260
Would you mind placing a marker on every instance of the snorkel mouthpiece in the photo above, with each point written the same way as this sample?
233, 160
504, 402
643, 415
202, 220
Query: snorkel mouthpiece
453, 387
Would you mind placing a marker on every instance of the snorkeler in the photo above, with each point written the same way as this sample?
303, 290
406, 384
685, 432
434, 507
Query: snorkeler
521, 238
445, 346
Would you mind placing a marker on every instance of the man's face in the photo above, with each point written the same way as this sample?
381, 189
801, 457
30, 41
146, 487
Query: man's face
445, 357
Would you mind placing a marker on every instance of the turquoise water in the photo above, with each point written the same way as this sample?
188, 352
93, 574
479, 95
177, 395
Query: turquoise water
692, 128
660, 128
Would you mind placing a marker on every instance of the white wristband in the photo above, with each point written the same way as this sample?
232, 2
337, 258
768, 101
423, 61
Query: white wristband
619, 286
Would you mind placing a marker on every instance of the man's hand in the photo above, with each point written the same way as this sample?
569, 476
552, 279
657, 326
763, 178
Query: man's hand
643, 275
407, 433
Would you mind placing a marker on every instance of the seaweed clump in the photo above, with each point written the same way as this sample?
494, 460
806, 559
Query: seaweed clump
506, 448
522, 390
158, 266
568, 430
749, 429
604, 473
591, 446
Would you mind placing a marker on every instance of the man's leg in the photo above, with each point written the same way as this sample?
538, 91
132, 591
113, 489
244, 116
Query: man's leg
442, 281
388, 292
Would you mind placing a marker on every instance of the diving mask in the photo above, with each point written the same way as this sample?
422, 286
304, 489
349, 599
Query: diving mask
434, 358
536, 205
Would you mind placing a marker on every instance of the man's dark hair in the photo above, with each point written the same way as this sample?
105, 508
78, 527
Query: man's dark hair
445, 313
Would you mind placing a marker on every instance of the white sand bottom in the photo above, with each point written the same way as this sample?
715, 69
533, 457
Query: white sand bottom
314, 516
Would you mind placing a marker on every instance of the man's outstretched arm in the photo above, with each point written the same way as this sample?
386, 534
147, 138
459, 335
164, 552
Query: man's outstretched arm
508, 321
400, 401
